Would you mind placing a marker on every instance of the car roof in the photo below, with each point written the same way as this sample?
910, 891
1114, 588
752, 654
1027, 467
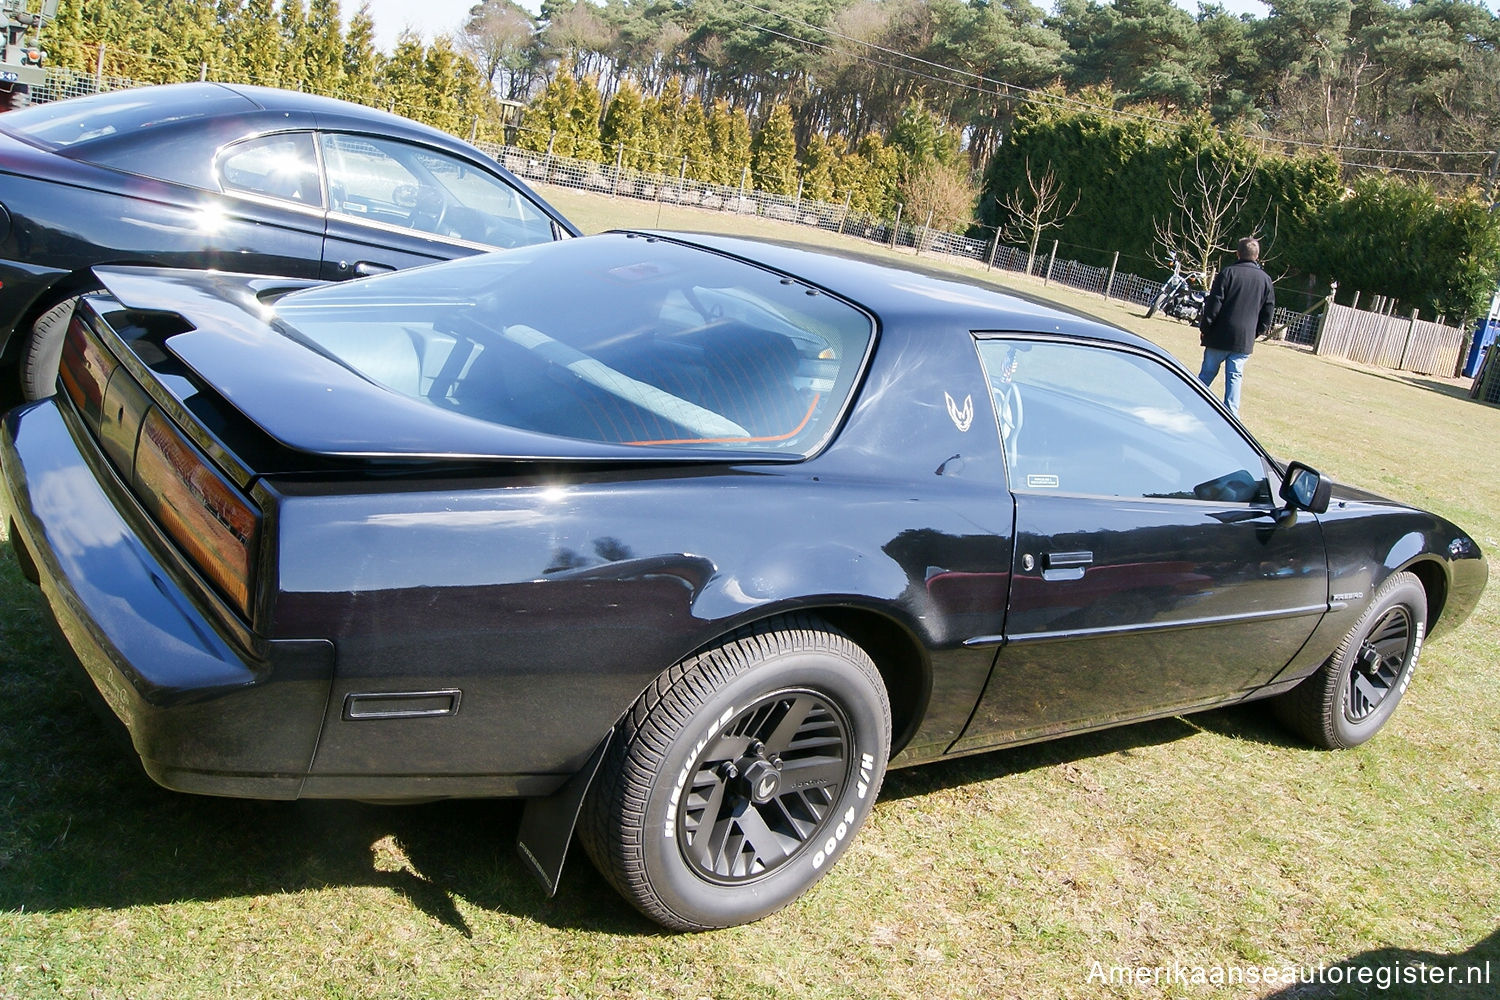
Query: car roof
77, 126
899, 294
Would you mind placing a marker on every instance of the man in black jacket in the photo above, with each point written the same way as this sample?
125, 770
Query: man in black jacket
1238, 309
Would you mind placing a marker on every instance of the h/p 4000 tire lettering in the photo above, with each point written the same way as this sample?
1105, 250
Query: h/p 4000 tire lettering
740, 776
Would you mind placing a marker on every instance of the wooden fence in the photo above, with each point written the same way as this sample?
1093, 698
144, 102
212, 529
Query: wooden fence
1403, 343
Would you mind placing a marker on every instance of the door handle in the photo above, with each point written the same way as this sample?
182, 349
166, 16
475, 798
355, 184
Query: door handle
1065, 565
365, 268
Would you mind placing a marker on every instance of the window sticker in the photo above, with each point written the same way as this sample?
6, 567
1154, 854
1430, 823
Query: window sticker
1037, 482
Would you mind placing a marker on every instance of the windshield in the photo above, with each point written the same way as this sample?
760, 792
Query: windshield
623, 339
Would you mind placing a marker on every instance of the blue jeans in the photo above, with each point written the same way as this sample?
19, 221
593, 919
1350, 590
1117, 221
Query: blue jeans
1234, 372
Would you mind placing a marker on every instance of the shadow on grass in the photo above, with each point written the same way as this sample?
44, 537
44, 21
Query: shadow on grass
1455, 390
1251, 722
1405, 974
81, 826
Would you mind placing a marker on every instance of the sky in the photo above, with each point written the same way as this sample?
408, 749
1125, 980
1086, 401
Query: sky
431, 18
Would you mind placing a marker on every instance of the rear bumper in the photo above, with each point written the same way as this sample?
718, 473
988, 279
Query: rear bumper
205, 713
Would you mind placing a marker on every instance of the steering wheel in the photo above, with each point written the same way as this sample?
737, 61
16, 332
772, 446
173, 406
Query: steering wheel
428, 210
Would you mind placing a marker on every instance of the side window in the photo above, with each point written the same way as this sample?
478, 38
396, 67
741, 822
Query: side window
404, 185
283, 166
1094, 420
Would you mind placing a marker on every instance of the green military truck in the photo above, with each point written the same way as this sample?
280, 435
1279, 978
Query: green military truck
21, 54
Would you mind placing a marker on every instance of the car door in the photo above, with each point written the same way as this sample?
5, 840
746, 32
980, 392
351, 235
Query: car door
1151, 571
272, 181
395, 204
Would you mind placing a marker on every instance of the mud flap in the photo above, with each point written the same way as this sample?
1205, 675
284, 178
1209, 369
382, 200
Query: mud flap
547, 824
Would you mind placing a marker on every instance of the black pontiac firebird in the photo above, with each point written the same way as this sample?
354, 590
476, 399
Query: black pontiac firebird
685, 540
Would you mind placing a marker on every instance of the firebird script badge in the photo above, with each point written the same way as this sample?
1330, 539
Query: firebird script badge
962, 418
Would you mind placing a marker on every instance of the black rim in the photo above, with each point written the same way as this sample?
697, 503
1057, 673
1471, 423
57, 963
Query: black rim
1378, 665
764, 787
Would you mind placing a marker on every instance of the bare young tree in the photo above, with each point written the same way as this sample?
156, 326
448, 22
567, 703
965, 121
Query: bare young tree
1033, 210
1208, 206
939, 192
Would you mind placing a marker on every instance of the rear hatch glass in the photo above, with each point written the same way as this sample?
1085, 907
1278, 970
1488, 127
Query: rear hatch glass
617, 338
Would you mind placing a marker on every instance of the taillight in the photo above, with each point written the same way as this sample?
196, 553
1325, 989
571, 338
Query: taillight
210, 520
85, 370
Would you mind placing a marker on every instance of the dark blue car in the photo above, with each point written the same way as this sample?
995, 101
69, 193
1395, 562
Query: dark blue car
235, 178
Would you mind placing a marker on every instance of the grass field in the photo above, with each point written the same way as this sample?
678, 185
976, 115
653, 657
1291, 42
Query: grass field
1201, 844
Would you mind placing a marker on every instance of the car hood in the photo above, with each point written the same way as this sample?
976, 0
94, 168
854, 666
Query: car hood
222, 330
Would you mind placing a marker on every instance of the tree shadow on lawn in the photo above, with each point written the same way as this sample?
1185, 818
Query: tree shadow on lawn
1404, 974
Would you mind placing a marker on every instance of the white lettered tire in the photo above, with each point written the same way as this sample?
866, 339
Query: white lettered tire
1352, 695
41, 352
740, 776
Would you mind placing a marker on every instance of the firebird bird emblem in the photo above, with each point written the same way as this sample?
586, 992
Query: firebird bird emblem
962, 418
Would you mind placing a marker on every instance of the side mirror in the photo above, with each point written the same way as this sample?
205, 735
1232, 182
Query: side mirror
1305, 488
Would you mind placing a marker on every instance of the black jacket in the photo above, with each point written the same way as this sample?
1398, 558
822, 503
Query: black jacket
1239, 308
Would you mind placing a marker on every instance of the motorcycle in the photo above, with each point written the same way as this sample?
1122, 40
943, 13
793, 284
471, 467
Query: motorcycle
1181, 295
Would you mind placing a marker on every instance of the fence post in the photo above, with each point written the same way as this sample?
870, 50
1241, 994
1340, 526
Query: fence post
474, 129
547, 161
1411, 331
1323, 321
896, 229
1109, 286
1047, 278
994, 249
202, 72
614, 188
926, 228
848, 198
797, 201
1355, 303
744, 176
99, 71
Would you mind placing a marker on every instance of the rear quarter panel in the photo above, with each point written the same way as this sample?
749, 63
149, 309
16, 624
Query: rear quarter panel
553, 600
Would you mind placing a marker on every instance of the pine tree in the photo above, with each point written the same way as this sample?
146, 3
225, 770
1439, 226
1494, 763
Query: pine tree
696, 144
584, 120
623, 133
440, 82
67, 44
361, 61
323, 53
873, 171
189, 38
774, 153
729, 132
662, 121
820, 168
548, 124
292, 68
254, 42
401, 75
